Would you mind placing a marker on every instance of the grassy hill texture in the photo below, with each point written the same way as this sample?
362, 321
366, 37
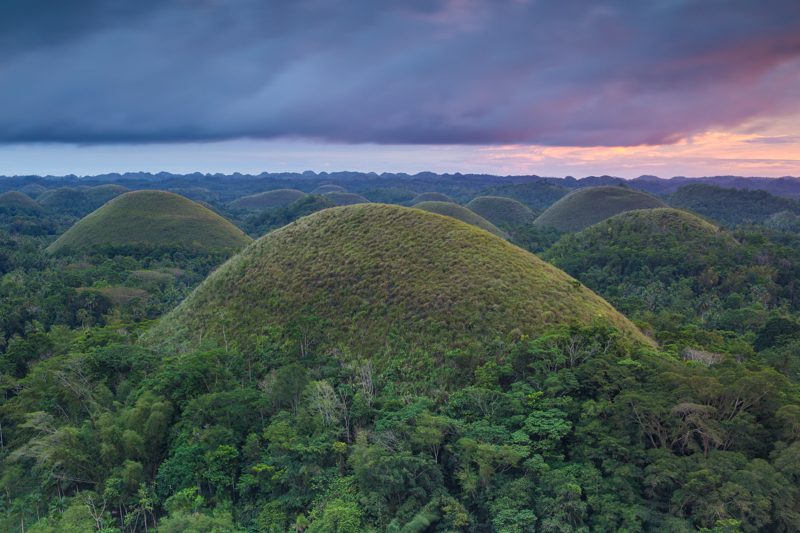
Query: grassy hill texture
324, 189
432, 197
367, 275
501, 211
731, 206
584, 207
18, 202
268, 199
152, 220
345, 198
459, 212
79, 200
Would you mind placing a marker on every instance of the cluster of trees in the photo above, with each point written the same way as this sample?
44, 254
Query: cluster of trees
574, 431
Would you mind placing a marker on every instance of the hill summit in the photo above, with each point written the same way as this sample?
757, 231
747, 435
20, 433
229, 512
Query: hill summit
584, 207
152, 220
363, 277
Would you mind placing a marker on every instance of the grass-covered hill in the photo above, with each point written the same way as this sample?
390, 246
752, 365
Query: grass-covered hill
654, 259
731, 206
152, 220
268, 199
329, 187
79, 201
584, 207
501, 211
362, 276
18, 202
461, 213
345, 198
538, 195
431, 197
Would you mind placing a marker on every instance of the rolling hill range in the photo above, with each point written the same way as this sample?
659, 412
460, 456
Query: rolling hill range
369, 273
268, 199
501, 211
459, 212
152, 220
732, 206
584, 207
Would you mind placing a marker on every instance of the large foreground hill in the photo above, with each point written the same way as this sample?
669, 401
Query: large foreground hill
366, 275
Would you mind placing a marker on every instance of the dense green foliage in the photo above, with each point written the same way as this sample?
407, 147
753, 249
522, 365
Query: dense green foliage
377, 368
151, 220
459, 284
268, 199
500, 211
582, 208
459, 212
731, 206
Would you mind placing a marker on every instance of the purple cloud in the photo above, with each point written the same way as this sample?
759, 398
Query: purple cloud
405, 72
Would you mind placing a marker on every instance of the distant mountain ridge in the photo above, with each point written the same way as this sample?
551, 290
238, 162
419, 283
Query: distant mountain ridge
461, 187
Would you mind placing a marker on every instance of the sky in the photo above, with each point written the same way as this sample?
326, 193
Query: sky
623, 87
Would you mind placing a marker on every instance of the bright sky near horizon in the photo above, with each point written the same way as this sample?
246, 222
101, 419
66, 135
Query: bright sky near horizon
620, 87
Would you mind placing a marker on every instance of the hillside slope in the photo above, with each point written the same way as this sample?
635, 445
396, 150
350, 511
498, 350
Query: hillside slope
152, 220
584, 207
363, 276
459, 212
501, 211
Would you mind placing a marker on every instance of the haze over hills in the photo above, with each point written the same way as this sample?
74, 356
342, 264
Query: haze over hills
151, 220
342, 268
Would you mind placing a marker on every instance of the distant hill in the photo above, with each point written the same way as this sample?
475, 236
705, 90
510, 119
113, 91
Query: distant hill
731, 206
537, 195
431, 197
648, 259
151, 220
368, 273
79, 201
390, 195
461, 213
345, 198
324, 189
501, 211
584, 207
18, 202
268, 199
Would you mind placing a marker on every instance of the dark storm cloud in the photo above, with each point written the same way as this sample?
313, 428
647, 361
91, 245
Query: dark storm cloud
455, 71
